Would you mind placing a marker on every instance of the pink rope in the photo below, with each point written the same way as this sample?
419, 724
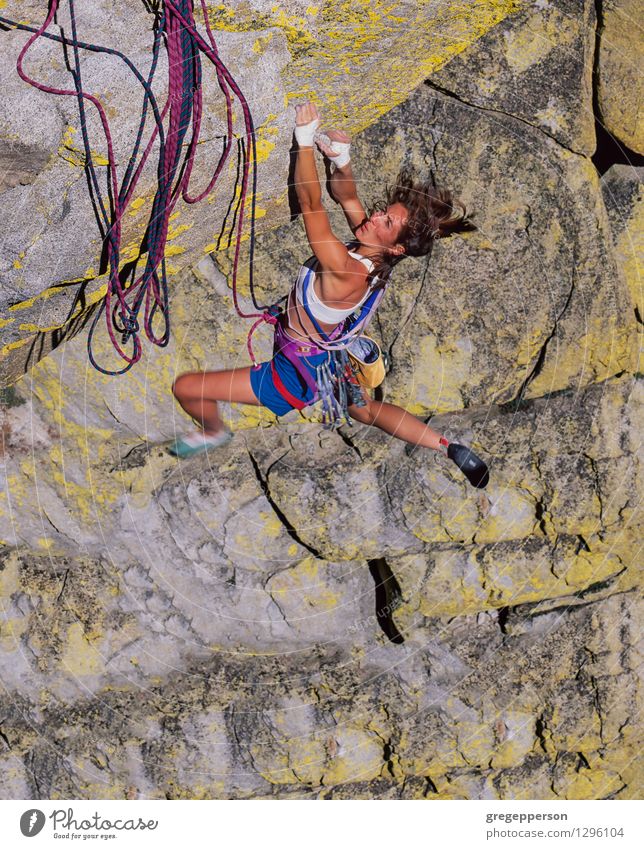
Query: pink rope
264, 317
214, 58
197, 123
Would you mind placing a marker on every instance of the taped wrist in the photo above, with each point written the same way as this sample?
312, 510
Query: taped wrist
342, 149
344, 157
305, 133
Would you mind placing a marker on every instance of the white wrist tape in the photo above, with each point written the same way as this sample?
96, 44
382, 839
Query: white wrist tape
343, 156
304, 133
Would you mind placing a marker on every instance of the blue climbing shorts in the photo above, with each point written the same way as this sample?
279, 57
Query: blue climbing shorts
261, 381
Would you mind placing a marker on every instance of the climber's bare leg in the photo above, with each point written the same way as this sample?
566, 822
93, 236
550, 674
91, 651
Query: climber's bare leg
198, 392
396, 421
400, 423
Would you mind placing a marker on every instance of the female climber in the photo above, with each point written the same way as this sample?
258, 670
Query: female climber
333, 297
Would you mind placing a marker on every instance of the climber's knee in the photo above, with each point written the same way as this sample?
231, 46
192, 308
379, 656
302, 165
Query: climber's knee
183, 385
176, 386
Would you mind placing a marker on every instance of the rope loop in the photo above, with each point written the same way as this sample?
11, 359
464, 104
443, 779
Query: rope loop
269, 316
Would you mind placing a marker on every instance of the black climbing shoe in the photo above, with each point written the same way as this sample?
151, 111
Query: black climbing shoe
472, 466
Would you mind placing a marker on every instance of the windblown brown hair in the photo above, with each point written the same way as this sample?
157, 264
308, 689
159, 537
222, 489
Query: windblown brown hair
433, 213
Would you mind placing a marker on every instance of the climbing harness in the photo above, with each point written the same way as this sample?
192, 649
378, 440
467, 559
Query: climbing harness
336, 384
175, 27
329, 384
343, 380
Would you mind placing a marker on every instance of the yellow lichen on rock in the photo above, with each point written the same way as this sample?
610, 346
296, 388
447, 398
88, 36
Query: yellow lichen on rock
80, 657
538, 36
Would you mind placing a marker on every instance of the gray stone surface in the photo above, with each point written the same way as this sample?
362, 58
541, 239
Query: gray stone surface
535, 66
620, 91
623, 192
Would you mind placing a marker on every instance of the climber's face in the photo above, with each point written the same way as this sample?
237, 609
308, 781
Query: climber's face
383, 228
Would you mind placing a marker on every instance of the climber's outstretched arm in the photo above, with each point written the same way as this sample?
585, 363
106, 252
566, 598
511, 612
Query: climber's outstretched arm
336, 146
344, 192
331, 253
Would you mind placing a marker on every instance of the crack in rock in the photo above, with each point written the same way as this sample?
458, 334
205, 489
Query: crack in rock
447, 93
290, 530
541, 357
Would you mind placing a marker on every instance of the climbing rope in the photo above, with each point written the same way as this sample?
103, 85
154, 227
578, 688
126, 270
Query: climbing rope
175, 27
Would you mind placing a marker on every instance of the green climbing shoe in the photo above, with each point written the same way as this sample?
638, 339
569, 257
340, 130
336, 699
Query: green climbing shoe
196, 442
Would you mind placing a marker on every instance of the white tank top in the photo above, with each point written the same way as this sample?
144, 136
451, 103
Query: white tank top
319, 310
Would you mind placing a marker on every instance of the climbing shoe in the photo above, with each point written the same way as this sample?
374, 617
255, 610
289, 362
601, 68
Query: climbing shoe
196, 442
472, 466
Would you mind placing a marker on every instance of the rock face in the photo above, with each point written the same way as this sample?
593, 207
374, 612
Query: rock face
536, 66
516, 678
496, 654
621, 91
623, 191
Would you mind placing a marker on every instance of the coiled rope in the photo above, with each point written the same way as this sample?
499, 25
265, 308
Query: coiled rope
174, 26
